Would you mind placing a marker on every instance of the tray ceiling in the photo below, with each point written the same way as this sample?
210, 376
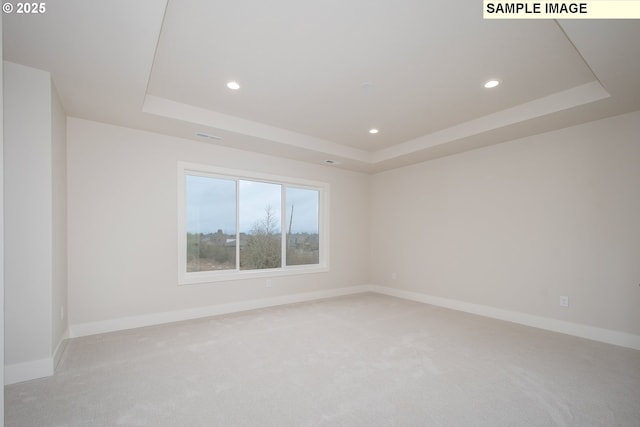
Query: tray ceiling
316, 77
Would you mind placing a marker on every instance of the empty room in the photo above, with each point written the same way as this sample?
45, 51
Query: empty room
339, 213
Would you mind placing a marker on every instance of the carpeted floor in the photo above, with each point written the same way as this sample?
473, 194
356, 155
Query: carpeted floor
363, 360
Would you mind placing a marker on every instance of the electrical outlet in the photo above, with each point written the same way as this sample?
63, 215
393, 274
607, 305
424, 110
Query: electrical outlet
564, 301
394, 276
269, 283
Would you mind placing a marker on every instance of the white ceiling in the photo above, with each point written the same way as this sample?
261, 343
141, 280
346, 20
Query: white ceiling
316, 76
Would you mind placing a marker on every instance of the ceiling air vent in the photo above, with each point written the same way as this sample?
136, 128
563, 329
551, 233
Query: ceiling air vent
206, 135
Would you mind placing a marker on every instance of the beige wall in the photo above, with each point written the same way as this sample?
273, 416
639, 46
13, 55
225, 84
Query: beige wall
516, 225
122, 224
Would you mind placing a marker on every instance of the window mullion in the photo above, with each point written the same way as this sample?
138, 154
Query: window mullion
237, 224
283, 226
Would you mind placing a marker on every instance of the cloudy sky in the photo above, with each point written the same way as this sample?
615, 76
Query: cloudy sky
211, 205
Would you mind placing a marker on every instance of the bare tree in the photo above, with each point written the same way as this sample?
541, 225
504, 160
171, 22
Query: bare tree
263, 249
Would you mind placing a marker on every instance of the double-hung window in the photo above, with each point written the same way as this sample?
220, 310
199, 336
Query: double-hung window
236, 224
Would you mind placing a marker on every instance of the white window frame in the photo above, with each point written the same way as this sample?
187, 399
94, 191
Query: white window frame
186, 278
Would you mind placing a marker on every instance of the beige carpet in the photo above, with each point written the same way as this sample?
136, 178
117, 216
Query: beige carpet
365, 360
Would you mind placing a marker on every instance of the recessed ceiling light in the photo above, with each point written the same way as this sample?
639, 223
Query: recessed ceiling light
491, 84
233, 85
373, 131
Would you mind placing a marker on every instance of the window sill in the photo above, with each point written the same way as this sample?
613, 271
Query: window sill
226, 276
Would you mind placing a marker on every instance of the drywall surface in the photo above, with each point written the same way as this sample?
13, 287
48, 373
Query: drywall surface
59, 295
28, 214
518, 225
1, 237
122, 224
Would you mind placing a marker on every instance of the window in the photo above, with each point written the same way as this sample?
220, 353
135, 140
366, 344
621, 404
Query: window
235, 224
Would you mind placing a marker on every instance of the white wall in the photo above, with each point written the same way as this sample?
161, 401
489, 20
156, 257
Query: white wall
59, 295
35, 218
122, 225
28, 239
516, 225
1, 235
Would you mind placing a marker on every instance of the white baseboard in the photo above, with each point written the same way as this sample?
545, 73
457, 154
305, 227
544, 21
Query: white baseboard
112, 325
60, 348
20, 372
608, 336
25, 371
